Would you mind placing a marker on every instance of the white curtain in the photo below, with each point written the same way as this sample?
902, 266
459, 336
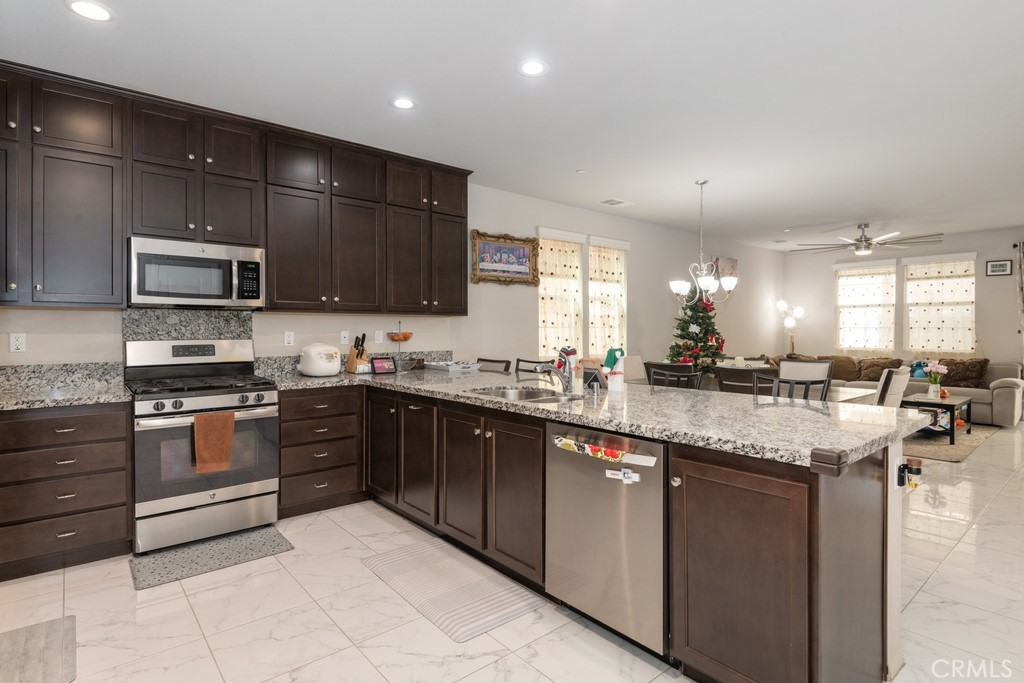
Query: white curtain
561, 298
606, 294
866, 308
940, 306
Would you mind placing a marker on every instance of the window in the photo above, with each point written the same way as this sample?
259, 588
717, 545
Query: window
566, 282
865, 308
940, 304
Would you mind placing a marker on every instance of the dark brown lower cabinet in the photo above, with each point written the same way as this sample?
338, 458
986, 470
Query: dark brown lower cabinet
462, 482
417, 459
382, 444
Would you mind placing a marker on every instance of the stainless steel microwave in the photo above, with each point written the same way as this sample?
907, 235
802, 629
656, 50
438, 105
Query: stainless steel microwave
178, 273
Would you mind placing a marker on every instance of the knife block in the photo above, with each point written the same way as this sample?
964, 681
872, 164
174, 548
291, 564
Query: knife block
356, 365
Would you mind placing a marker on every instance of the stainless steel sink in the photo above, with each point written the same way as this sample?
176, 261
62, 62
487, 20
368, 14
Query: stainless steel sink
517, 394
560, 398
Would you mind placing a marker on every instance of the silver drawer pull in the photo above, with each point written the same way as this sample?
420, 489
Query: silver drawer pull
319, 455
415, 407
324, 405
66, 430
72, 461
67, 534
320, 431
66, 496
320, 486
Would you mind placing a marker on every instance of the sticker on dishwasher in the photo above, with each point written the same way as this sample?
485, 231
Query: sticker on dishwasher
626, 475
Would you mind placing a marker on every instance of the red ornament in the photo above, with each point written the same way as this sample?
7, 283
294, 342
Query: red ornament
709, 306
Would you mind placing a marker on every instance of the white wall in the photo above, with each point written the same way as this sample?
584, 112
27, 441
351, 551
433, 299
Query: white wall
810, 282
62, 336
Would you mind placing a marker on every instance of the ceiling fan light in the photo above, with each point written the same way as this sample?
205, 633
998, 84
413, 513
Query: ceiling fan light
680, 287
862, 250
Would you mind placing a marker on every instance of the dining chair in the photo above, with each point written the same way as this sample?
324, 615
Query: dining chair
526, 365
788, 388
493, 365
805, 369
891, 386
740, 380
680, 380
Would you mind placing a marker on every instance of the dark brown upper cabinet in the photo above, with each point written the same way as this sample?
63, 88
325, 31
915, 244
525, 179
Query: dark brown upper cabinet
76, 118
298, 249
408, 260
11, 100
165, 202
358, 241
448, 193
233, 210
168, 136
357, 174
77, 228
449, 264
8, 221
296, 162
232, 149
408, 185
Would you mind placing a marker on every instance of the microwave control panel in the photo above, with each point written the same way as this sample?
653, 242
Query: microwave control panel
249, 280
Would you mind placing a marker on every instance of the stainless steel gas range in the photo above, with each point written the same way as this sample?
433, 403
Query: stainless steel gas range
206, 448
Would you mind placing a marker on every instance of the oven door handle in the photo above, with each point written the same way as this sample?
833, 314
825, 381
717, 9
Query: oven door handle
183, 420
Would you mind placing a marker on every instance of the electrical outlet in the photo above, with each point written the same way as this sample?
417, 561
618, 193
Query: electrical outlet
344, 337
378, 336
18, 344
289, 338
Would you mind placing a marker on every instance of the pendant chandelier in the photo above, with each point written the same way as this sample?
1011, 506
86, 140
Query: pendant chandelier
710, 285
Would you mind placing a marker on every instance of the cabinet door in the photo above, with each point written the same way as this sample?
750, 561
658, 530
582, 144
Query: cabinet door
8, 221
515, 499
10, 112
77, 228
408, 260
448, 192
382, 445
165, 201
449, 265
164, 135
76, 118
296, 162
740, 535
298, 249
233, 211
408, 185
417, 460
232, 149
461, 482
357, 235
357, 174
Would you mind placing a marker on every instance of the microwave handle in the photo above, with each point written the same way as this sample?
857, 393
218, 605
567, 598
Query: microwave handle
148, 423
234, 280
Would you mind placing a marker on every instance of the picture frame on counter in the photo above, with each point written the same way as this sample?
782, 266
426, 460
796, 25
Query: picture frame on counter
383, 365
999, 267
505, 259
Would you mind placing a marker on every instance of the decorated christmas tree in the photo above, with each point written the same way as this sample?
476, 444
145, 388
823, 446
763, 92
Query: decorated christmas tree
699, 339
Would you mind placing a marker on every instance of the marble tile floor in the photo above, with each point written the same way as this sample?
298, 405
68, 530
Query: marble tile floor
316, 614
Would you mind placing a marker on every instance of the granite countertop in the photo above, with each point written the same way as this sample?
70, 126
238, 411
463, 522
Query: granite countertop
771, 429
72, 384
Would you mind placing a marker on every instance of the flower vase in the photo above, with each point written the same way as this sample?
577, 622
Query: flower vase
933, 390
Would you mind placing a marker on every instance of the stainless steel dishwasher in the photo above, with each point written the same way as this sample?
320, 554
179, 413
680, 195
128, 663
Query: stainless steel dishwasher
605, 530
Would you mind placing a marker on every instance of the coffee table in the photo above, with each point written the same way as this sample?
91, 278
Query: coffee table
950, 405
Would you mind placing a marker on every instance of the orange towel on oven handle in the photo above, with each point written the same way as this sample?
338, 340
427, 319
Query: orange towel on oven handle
214, 436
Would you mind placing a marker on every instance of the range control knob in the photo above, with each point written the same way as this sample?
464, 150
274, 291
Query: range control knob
243, 398
177, 404
258, 398
158, 406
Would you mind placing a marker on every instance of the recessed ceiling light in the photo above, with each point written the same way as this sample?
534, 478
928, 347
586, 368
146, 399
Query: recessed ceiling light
786, 230
90, 10
581, 171
532, 67
402, 103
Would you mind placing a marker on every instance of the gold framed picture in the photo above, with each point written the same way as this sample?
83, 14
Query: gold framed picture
505, 259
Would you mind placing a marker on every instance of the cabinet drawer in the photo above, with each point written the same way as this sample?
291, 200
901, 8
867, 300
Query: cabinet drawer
319, 456
34, 539
61, 496
56, 431
323, 429
307, 487
58, 462
339, 403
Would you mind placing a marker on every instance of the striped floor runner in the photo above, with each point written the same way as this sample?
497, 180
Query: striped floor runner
461, 596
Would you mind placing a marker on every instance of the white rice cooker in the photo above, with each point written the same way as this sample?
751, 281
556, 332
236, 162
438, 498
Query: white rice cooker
320, 360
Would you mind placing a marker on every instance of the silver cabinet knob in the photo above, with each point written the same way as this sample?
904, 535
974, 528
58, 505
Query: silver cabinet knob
322, 181
191, 157
435, 303
191, 226
476, 432
209, 160
488, 434
323, 298
12, 124
391, 410
435, 202
13, 286
209, 228
676, 481
424, 303
336, 299
37, 129
335, 183
39, 288
425, 200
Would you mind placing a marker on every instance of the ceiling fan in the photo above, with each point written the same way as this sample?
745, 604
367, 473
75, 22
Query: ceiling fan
863, 244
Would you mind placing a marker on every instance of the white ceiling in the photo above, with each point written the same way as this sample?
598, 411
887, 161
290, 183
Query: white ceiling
807, 115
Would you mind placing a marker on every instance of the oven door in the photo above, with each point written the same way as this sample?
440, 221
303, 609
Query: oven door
165, 462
